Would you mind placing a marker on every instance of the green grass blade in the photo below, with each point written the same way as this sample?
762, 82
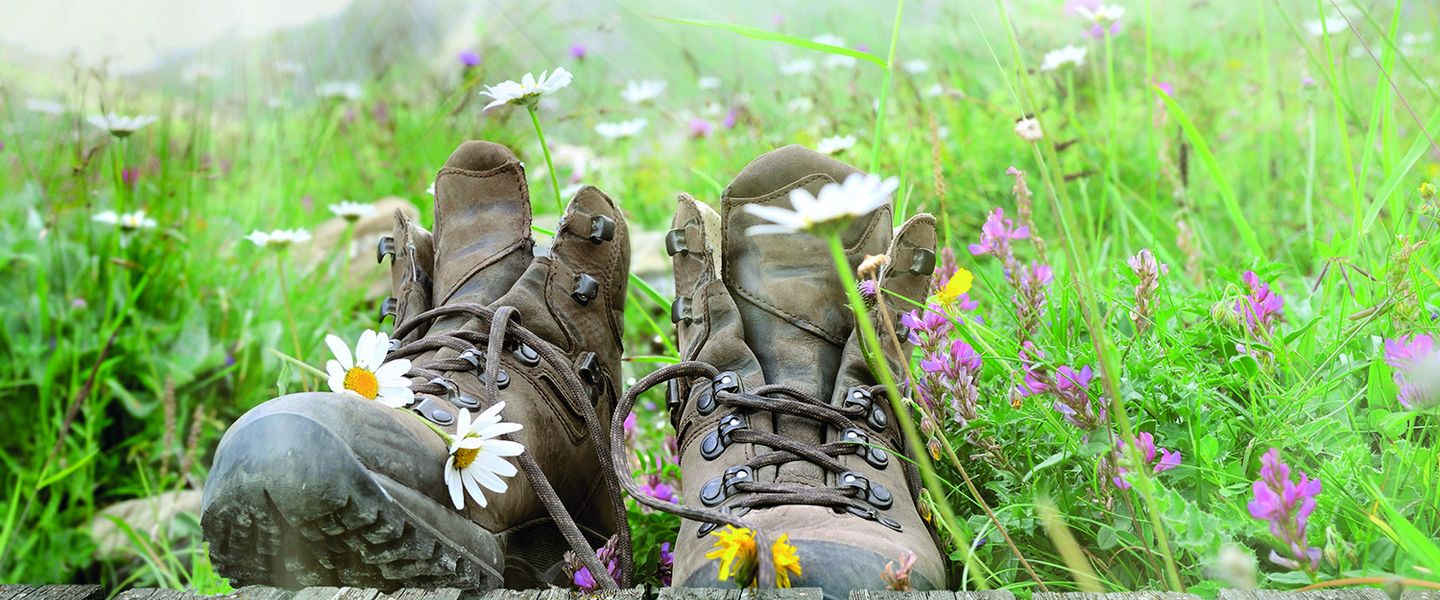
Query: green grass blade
1399, 174
1212, 168
770, 36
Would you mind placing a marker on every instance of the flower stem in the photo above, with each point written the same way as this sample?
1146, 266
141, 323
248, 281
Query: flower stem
875, 357
549, 164
289, 312
885, 89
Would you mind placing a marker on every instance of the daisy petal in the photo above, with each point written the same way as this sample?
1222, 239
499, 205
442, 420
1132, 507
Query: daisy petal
341, 351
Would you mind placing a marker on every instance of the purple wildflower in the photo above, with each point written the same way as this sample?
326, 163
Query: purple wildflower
580, 574
659, 490
898, 578
1287, 505
868, 289
996, 235
731, 116
667, 564
1262, 308
469, 58
1409, 357
1030, 295
130, 175
630, 423
1036, 376
1072, 398
928, 328
578, 51
1148, 270
956, 374
701, 128
1145, 442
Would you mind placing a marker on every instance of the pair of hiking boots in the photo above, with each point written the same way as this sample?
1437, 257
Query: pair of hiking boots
780, 423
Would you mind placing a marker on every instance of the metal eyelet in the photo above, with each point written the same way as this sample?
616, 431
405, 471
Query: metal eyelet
587, 288
891, 523
526, 355
588, 368
922, 262
602, 229
451, 390
502, 379
874, 455
386, 247
880, 497
675, 242
718, 489
389, 307
441, 416
473, 357
727, 381
716, 441
874, 411
705, 401
877, 495
463, 400
680, 311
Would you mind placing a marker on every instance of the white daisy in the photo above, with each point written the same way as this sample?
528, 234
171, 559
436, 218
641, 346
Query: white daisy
916, 66
1028, 129
278, 238
1067, 55
1330, 25
622, 129
119, 125
431, 190
935, 91
528, 90
1416, 39
798, 67
1103, 15
352, 211
340, 90
709, 83
835, 145
366, 374
41, 105
477, 459
127, 222
647, 90
860, 194
803, 104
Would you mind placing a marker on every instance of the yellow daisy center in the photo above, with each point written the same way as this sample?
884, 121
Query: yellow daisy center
464, 457
362, 382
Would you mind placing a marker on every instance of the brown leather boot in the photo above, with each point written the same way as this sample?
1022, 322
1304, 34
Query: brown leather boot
782, 426
324, 489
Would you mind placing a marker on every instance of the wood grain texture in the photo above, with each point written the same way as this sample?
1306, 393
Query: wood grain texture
1327, 594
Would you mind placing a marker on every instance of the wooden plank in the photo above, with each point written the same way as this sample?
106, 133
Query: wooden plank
1114, 596
984, 595
65, 592
673, 593
511, 595
419, 594
1325, 594
1420, 595
261, 592
12, 591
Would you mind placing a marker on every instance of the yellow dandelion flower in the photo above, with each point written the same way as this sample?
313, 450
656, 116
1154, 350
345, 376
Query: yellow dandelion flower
735, 548
787, 561
958, 285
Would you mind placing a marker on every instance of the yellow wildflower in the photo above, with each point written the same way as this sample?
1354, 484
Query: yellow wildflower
736, 550
958, 285
787, 560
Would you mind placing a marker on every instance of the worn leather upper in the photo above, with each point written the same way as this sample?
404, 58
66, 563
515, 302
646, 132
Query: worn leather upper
772, 310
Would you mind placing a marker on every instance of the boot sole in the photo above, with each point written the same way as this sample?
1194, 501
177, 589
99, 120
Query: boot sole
269, 521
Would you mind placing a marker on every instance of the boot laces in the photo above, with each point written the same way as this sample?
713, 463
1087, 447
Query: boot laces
847, 494
480, 349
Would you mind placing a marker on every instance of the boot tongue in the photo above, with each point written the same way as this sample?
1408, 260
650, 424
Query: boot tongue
794, 310
482, 224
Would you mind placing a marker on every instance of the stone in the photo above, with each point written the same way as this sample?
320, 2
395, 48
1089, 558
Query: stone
152, 518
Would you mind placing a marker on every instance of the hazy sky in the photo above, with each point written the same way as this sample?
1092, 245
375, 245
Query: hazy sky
133, 33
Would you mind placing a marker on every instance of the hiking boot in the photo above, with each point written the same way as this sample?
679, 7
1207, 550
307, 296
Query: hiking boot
325, 489
782, 426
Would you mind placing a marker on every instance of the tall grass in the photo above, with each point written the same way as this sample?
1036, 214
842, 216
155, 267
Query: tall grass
117, 347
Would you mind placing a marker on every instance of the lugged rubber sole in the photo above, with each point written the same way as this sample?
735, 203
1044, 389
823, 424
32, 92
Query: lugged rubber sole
299, 509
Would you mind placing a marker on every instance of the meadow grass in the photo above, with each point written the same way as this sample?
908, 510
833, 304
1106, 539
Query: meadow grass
1223, 137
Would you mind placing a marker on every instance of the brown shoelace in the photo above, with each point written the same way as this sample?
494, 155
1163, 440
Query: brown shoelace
774, 399
433, 378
